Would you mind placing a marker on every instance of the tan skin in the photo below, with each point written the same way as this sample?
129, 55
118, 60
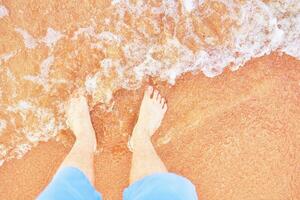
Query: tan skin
145, 160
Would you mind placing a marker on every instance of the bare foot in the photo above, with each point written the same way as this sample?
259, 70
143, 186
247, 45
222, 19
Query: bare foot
79, 121
152, 111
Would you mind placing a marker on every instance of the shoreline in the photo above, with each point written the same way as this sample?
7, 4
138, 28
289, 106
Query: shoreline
234, 136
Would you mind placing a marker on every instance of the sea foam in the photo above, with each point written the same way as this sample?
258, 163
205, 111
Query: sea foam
133, 40
3, 11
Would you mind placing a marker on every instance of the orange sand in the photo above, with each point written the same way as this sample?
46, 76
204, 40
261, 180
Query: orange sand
235, 136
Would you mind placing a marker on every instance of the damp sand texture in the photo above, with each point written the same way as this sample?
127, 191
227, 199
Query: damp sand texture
229, 69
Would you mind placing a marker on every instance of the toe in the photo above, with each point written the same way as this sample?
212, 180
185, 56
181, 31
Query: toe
149, 91
165, 108
162, 101
158, 98
155, 94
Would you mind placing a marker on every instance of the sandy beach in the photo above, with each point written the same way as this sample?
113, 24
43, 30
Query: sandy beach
235, 136
230, 71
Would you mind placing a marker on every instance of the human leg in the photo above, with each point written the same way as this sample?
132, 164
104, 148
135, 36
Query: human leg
75, 177
81, 155
149, 177
145, 160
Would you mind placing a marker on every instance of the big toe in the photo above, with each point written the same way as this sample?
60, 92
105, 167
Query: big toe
149, 91
155, 95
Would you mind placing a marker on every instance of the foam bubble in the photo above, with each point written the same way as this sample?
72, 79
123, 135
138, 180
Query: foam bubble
3, 125
189, 5
91, 84
86, 31
21, 149
42, 78
3, 153
51, 37
5, 57
45, 66
200, 2
115, 1
24, 105
3, 11
109, 37
29, 41
164, 41
288, 18
48, 129
175, 58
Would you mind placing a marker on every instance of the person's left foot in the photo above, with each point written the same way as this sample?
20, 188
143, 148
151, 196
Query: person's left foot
79, 121
152, 112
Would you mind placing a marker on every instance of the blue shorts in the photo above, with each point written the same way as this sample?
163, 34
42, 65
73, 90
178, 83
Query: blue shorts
70, 183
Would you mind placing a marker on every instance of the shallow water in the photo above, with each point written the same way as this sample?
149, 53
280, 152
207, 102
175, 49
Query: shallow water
235, 136
48, 50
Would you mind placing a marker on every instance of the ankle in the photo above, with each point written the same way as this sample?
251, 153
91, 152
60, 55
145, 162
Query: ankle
83, 128
139, 146
141, 129
138, 142
86, 140
88, 146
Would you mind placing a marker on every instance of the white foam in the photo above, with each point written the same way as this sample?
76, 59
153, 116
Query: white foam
3, 153
91, 84
97, 46
29, 41
45, 66
48, 129
106, 64
3, 11
102, 37
167, 68
258, 28
115, 2
288, 18
5, 57
87, 32
189, 5
21, 149
24, 105
3, 125
10, 75
42, 78
51, 37
22, 108
109, 36
200, 2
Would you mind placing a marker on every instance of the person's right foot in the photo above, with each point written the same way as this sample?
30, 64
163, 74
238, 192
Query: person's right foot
152, 111
79, 121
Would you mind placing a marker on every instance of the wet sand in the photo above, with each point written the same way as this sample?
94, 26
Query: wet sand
235, 136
